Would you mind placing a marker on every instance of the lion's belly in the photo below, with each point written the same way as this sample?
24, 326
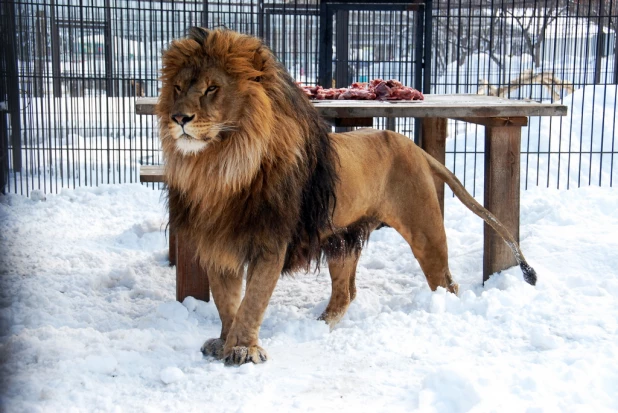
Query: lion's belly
366, 158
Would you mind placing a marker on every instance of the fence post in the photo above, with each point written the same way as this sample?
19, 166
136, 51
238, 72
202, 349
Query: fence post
427, 46
55, 50
40, 53
326, 46
598, 60
421, 61
342, 47
112, 86
205, 13
12, 81
4, 127
260, 20
4, 151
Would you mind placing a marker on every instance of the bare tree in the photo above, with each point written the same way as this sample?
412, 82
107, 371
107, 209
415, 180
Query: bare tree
533, 24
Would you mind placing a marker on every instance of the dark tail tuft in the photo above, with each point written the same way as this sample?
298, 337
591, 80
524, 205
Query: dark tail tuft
529, 273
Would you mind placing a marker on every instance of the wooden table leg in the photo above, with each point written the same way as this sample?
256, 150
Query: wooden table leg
433, 141
502, 155
191, 278
172, 248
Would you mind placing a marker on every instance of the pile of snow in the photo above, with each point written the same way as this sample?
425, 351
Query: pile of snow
89, 321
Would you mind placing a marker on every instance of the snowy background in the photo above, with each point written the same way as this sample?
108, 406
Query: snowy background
88, 320
559, 152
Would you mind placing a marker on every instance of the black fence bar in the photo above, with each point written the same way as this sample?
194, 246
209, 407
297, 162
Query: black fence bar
421, 54
326, 45
12, 103
70, 72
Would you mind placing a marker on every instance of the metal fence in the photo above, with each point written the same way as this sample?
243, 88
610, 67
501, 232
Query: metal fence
70, 73
545, 50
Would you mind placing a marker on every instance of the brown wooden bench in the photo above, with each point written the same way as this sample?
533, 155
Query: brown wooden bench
191, 279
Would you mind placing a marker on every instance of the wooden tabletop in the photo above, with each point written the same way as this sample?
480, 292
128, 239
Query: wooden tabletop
151, 173
434, 106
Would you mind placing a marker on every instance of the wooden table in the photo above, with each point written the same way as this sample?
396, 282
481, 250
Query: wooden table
503, 120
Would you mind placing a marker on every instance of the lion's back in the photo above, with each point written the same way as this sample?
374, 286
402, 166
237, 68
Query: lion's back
375, 151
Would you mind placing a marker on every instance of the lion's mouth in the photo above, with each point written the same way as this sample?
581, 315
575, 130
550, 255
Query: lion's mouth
193, 138
187, 136
189, 145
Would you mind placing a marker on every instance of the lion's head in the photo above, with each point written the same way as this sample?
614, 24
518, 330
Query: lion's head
246, 153
217, 101
209, 79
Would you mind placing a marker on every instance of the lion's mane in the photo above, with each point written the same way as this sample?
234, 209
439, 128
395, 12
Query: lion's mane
269, 183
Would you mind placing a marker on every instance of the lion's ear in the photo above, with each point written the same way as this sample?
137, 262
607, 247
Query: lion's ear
258, 62
199, 34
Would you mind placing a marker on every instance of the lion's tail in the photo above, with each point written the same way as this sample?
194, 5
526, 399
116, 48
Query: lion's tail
458, 189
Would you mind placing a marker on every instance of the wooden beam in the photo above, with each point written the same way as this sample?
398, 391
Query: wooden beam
502, 164
151, 173
433, 141
173, 246
443, 106
145, 106
350, 122
500, 121
191, 278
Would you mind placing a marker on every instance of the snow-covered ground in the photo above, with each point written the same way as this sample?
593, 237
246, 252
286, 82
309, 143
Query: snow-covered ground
89, 321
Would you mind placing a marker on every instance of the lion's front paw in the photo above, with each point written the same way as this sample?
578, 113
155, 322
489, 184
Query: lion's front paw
241, 355
214, 348
331, 318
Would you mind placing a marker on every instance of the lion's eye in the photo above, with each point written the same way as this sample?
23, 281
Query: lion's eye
210, 89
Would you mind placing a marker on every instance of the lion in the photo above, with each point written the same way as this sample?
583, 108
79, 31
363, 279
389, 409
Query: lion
258, 183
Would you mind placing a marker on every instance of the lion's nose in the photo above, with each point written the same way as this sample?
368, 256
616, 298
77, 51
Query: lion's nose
182, 119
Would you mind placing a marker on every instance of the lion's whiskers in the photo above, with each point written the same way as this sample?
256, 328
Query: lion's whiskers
226, 127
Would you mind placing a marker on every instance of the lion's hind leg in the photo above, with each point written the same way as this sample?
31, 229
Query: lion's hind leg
428, 244
343, 284
423, 229
343, 251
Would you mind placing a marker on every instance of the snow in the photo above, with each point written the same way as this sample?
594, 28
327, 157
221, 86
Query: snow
89, 321
171, 375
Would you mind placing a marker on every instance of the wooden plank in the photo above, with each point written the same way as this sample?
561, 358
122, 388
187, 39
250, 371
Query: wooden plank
502, 156
502, 121
151, 173
154, 173
145, 105
443, 106
191, 278
172, 246
351, 109
171, 252
349, 122
433, 141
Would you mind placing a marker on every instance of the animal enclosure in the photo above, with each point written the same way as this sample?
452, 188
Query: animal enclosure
70, 73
